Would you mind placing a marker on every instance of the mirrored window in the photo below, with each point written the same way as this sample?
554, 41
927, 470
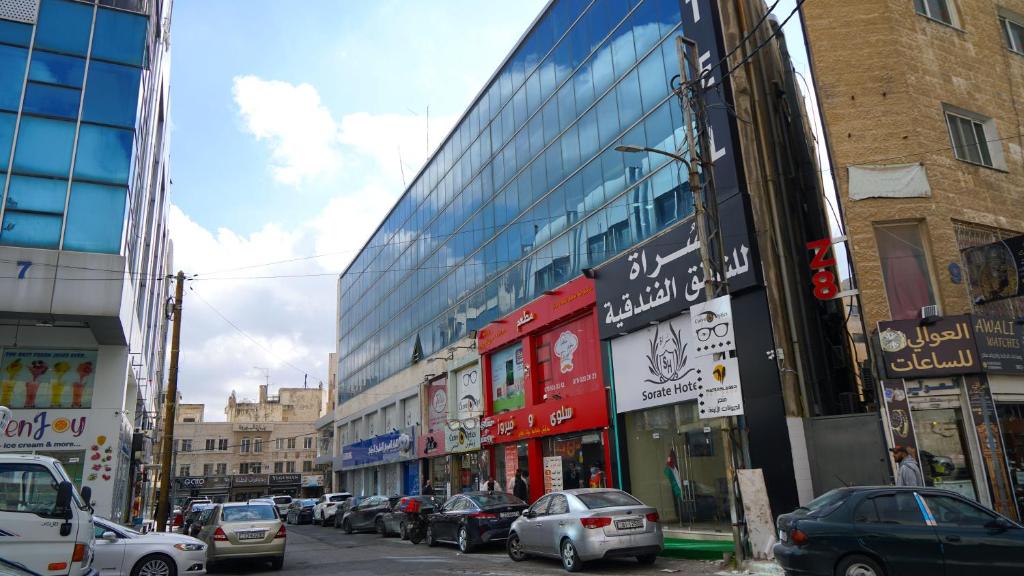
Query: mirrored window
12, 76
104, 154
47, 100
56, 69
44, 146
95, 218
111, 94
30, 230
64, 26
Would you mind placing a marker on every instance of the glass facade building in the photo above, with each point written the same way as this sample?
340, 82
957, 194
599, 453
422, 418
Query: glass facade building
527, 190
69, 103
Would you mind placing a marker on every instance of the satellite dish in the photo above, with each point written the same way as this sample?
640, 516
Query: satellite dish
5, 417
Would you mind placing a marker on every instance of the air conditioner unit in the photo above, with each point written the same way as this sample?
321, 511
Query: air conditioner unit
930, 312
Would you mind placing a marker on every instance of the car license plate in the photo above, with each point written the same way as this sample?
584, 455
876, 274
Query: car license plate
252, 535
629, 524
509, 514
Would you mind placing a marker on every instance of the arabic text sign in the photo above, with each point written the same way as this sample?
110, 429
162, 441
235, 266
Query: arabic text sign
656, 366
660, 278
943, 348
712, 326
999, 345
388, 447
552, 474
721, 393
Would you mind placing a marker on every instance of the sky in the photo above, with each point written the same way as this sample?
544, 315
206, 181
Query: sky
294, 127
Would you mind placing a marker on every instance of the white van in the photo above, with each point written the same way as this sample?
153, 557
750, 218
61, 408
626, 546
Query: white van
45, 524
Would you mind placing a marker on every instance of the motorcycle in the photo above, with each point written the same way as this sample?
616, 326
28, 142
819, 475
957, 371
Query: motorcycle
416, 525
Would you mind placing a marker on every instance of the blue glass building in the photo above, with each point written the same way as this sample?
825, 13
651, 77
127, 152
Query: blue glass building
527, 190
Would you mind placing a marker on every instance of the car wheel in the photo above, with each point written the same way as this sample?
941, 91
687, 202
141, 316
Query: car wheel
336, 523
277, 563
380, 528
347, 527
570, 558
402, 532
515, 548
465, 546
430, 536
154, 565
858, 565
647, 559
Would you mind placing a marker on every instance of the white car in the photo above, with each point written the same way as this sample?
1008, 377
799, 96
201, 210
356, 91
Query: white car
326, 506
124, 552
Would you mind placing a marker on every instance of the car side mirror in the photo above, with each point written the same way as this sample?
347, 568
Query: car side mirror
64, 492
110, 536
87, 496
999, 525
528, 513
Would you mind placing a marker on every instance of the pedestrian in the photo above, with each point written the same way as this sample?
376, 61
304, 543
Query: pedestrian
596, 476
428, 490
908, 472
520, 489
490, 484
572, 478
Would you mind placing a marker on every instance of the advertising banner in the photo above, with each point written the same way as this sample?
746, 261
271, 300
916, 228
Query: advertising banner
552, 473
507, 371
511, 464
390, 447
463, 439
569, 358
897, 406
437, 404
469, 392
656, 366
999, 345
722, 394
712, 326
563, 302
995, 271
983, 413
432, 444
47, 378
943, 347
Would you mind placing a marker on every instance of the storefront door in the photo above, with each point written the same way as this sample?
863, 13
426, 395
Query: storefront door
507, 459
943, 451
580, 463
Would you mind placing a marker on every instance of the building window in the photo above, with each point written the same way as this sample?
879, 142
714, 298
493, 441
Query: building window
255, 468
222, 469
257, 445
279, 444
291, 443
186, 445
245, 445
289, 467
307, 465
905, 269
188, 420
278, 467
969, 141
941, 10
210, 444
307, 443
184, 470
1013, 29
222, 444
207, 469
243, 468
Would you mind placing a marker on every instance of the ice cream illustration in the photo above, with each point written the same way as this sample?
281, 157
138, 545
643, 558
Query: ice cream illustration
57, 384
36, 369
7, 388
78, 388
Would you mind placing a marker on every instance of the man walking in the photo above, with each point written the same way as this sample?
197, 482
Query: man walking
519, 489
908, 472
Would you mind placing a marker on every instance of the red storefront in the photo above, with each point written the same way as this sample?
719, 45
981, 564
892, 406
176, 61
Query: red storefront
546, 410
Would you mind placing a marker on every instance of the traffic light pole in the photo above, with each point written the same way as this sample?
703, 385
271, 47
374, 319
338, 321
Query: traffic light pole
170, 406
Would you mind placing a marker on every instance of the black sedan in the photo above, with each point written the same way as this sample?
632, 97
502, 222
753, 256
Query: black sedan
300, 511
474, 518
363, 514
876, 531
393, 522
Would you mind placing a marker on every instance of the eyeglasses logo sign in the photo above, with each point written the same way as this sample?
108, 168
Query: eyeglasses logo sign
712, 327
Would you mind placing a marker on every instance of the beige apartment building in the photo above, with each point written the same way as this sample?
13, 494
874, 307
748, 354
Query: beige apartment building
922, 104
267, 446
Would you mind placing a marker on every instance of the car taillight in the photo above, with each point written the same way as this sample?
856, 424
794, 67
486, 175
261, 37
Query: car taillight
483, 515
281, 532
177, 519
595, 522
79, 553
798, 537
220, 536
653, 517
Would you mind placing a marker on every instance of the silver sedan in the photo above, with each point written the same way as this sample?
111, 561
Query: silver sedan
124, 552
587, 524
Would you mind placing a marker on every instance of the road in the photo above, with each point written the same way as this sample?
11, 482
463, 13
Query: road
316, 550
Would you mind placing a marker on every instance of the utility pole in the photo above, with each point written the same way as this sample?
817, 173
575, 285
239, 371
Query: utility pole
170, 406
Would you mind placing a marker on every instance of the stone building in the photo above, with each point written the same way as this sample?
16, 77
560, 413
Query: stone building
264, 447
921, 103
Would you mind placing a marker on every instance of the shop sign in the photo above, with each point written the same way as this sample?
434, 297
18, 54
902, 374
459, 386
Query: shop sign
552, 474
216, 483
462, 439
657, 366
437, 403
253, 427
47, 378
660, 278
191, 482
285, 479
995, 271
562, 302
944, 347
823, 266
390, 447
313, 481
240, 480
571, 414
712, 326
986, 423
432, 444
721, 395
572, 354
999, 345
469, 392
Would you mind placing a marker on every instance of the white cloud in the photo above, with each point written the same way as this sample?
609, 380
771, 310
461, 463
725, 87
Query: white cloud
300, 129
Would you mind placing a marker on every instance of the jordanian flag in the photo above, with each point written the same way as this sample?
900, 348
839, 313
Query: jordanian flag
672, 473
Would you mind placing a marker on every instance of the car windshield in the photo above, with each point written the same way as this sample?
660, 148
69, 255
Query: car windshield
338, 498
826, 503
496, 499
595, 500
283, 500
251, 512
309, 502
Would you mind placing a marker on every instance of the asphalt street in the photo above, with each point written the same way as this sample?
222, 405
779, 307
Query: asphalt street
316, 550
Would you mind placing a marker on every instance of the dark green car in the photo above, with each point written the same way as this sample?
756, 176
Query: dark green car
890, 531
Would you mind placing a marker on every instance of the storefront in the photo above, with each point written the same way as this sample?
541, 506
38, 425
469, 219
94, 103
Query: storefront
285, 484
216, 488
545, 402
379, 465
246, 486
961, 380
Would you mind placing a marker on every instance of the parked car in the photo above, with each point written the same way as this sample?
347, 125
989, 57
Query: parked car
394, 520
123, 552
241, 530
587, 524
282, 502
326, 506
363, 514
473, 518
300, 511
190, 519
876, 531
194, 502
